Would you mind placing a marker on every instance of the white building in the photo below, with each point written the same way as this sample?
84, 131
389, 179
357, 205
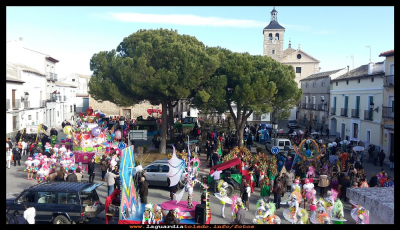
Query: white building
81, 82
67, 99
356, 100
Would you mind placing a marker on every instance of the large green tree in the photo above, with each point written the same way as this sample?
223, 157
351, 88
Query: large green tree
241, 85
160, 66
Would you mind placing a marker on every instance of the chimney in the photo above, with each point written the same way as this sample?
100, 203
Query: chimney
290, 43
370, 68
347, 69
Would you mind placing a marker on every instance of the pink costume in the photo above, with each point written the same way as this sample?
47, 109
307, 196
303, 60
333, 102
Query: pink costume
35, 166
53, 162
81, 167
28, 165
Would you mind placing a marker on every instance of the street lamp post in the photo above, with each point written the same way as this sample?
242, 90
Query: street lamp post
275, 127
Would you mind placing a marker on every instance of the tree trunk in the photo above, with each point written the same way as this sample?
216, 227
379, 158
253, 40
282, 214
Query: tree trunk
163, 143
171, 121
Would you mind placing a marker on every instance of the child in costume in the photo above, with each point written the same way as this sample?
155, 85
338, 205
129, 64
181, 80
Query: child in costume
308, 191
337, 213
294, 213
271, 218
36, 163
29, 168
42, 173
236, 203
148, 213
260, 212
360, 214
53, 162
80, 167
222, 196
157, 215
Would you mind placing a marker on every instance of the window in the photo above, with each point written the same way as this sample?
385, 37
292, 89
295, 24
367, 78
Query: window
315, 84
273, 51
298, 56
256, 116
46, 197
58, 113
298, 69
287, 143
37, 115
359, 80
165, 168
323, 83
27, 196
70, 108
67, 198
73, 79
29, 117
372, 79
152, 168
307, 84
281, 143
276, 36
270, 36
336, 83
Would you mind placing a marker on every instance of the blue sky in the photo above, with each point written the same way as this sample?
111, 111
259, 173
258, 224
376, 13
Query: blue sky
330, 34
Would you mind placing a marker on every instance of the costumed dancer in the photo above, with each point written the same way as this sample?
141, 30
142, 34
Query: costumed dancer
36, 162
329, 201
63, 163
271, 218
265, 186
320, 215
236, 203
295, 190
55, 148
28, 168
222, 196
308, 191
294, 213
42, 173
337, 213
176, 214
253, 180
360, 214
157, 214
72, 159
148, 213
53, 162
80, 167
260, 212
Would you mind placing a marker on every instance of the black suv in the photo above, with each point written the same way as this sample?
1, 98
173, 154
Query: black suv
58, 202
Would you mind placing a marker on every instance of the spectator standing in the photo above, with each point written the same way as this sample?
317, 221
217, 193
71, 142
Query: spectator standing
388, 182
79, 174
18, 219
249, 141
215, 157
52, 175
17, 136
144, 190
246, 195
371, 149
16, 156
59, 177
117, 184
327, 133
29, 213
208, 149
71, 175
391, 159
375, 155
240, 214
323, 182
216, 175
289, 175
103, 166
24, 147
345, 182
381, 156
91, 170
110, 179
8, 157
277, 191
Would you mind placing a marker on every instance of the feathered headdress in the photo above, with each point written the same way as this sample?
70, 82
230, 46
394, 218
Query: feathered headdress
334, 194
311, 171
271, 208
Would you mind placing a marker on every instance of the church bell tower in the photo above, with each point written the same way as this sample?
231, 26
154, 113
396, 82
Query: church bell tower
273, 38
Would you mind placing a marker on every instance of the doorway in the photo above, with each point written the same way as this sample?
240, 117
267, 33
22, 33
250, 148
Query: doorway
391, 144
343, 131
311, 119
332, 130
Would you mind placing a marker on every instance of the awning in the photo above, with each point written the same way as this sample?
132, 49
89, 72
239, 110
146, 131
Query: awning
225, 165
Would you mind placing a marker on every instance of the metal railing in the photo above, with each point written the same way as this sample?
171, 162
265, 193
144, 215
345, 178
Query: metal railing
304, 106
51, 97
51, 76
42, 103
368, 114
388, 80
387, 112
333, 110
355, 113
321, 107
343, 112
313, 106
16, 104
7, 104
27, 104
65, 98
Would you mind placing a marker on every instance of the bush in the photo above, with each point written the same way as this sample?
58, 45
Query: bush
259, 149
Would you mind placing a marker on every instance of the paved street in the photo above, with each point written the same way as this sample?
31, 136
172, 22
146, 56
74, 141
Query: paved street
16, 182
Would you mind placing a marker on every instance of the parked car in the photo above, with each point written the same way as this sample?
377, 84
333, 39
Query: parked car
58, 202
156, 173
292, 124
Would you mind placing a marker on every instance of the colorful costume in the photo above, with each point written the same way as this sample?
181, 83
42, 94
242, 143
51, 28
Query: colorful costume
294, 213
236, 203
53, 162
260, 213
320, 215
80, 167
36, 163
308, 191
148, 213
359, 214
28, 165
42, 174
157, 214
337, 213
222, 196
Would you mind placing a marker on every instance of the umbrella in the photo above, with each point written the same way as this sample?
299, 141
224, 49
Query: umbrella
358, 148
314, 133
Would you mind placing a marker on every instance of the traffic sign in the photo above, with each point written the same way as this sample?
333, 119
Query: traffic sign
121, 145
275, 150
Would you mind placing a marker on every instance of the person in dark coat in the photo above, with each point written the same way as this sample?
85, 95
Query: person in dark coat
17, 136
215, 157
172, 189
381, 156
277, 191
373, 182
345, 182
249, 141
209, 149
371, 149
18, 219
71, 176
91, 170
16, 156
143, 190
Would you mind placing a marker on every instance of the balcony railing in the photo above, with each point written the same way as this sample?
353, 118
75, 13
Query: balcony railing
304, 106
388, 81
355, 113
27, 104
42, 103
7, 104
65, 98
333, 110
16, 104
321, 107
368, 114
313, 106
343, 112
55, 77
51, 76
387, 112
51, 97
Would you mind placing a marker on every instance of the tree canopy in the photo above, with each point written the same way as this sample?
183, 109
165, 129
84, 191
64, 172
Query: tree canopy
160, 66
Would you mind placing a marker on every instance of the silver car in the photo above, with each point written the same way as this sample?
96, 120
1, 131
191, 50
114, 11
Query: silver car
156, 173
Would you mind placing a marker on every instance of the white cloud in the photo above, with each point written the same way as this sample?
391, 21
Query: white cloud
180, 19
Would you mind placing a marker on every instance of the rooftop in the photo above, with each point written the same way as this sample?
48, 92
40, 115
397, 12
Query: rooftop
8, 78
361, 71
59, 83
288, 51
83, 76
321, 74
273, 25
29, 69
387, 53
